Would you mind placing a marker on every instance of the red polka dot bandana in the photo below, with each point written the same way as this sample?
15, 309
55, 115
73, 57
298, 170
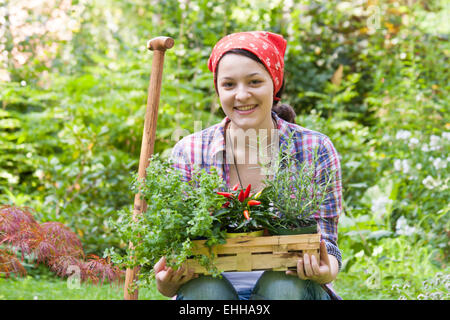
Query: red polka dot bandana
267, 46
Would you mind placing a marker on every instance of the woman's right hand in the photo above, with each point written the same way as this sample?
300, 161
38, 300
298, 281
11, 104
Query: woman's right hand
168, 281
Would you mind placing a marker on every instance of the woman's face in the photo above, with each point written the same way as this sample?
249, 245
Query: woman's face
245, 91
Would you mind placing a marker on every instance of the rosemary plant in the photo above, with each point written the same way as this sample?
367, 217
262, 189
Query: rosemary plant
298, 189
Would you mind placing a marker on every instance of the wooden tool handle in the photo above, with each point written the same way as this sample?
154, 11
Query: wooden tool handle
159, 45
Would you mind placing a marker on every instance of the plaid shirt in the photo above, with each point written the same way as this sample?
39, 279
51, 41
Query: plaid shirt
206, 149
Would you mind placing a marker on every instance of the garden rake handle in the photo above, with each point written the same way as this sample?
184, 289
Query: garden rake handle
159, 46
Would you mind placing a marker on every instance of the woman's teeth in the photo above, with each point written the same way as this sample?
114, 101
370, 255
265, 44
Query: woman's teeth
245, 108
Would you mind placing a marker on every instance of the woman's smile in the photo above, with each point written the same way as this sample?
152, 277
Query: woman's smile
247, 109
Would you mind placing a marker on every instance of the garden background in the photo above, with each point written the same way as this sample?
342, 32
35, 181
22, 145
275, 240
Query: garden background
372, 75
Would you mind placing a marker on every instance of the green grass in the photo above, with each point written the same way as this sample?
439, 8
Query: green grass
353, 285
51, 288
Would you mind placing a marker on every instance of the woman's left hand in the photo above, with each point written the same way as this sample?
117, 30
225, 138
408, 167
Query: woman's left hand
323, 271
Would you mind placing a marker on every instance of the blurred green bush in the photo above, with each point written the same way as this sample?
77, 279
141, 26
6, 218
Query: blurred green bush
372, 75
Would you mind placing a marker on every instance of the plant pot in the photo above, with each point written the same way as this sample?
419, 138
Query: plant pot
258, 233
302, 230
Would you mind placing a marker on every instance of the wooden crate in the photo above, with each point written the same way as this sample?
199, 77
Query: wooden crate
258, 253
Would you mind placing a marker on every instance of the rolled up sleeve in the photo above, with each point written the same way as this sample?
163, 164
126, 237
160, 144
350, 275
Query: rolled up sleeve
328, 169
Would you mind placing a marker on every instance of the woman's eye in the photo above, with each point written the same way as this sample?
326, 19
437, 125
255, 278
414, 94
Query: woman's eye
255, 81
227, 84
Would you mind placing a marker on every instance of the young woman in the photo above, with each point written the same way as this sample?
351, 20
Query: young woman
248, 72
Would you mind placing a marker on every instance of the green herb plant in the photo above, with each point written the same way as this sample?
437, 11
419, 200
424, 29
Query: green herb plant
177, 213
297, 189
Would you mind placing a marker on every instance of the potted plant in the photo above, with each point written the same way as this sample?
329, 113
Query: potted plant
242, 214
178, 212
295, 194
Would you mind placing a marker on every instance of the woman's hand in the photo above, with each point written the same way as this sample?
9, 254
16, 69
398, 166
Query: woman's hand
168, 281
323, 271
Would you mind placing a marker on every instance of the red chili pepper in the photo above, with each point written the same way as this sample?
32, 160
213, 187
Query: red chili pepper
247, 191
253, 202
226, 194
236, 186
241, 196
246, 214
226, 204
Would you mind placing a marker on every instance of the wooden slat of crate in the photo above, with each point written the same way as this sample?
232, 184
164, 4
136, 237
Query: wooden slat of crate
256, 249
260, 253
260, 244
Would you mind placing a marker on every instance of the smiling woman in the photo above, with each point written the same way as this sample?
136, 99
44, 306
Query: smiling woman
248, 72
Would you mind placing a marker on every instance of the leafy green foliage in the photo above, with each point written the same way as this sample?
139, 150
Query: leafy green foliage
297, 190
177, 212
71, 120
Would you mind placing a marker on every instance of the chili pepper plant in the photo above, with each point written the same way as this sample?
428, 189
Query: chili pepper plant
242, 211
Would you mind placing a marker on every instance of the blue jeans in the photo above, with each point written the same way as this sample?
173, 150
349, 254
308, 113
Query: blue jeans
272, 285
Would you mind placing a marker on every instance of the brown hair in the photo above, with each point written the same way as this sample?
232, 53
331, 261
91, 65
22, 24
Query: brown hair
284, 111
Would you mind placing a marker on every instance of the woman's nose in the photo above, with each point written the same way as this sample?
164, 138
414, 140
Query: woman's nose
242, 93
